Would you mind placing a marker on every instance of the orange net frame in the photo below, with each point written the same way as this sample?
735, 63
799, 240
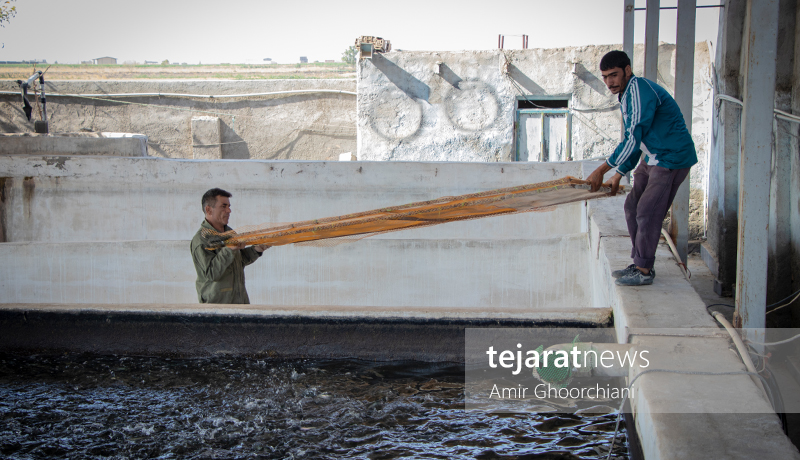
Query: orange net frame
542, 196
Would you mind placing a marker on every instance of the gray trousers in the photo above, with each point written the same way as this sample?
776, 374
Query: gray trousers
654, 188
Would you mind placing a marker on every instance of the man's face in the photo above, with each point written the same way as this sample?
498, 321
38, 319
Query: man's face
616, 78
219, 214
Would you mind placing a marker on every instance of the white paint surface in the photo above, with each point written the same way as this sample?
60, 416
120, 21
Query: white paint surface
117, 230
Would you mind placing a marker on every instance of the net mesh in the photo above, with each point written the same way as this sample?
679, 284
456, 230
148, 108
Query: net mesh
331, 231
555, 374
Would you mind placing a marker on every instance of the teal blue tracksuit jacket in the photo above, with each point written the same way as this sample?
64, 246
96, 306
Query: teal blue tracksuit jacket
652, 117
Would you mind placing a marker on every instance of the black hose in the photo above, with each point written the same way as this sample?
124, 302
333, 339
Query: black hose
783, 300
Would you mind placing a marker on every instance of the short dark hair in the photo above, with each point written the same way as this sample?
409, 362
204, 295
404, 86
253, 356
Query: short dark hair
210, 197
614, 59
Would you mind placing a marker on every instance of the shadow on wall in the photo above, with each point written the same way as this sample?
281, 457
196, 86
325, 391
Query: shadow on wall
448, 75
233, 146
332, 153
524, 81
590, 79
9, 128
7, 124
409, 84
290, 133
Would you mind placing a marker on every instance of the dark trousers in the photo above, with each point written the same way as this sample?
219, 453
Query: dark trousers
654, 188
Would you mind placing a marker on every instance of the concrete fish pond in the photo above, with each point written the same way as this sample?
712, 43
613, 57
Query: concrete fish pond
77, 405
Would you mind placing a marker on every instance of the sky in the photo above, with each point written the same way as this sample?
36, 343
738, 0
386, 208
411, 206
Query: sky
247, 31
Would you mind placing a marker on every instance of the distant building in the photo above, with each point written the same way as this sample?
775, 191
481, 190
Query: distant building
329, 60
105, 60
304, 59
269, 60
151, 62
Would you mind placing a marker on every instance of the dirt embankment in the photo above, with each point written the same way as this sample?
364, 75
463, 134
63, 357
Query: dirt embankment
210, 72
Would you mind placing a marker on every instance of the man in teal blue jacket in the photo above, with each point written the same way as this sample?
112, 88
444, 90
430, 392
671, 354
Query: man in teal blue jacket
651, 117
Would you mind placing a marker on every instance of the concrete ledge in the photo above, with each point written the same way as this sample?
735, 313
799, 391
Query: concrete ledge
290, 332
592, 316
98, 144
670, 302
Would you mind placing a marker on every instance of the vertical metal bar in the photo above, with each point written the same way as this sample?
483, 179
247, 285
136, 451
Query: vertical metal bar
761, 26
516, 130
541, 140
569, 135
651, 41
627, 29
43, 99
684, 86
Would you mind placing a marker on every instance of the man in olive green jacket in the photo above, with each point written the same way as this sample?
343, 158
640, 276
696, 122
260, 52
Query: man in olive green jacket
220, 272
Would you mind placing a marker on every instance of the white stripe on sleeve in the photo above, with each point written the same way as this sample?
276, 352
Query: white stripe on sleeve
636, 115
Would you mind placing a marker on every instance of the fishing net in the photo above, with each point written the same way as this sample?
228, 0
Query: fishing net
542, 196
556, 375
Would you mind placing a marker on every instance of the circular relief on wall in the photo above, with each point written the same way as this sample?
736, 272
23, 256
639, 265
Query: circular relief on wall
472, 105
395, 115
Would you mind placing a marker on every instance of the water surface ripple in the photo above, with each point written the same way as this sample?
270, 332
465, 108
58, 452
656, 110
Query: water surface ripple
78, 406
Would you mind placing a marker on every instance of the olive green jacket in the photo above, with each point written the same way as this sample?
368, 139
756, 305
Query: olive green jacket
220, 273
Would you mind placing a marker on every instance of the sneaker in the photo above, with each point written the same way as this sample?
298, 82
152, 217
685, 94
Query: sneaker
636, 278
624, 271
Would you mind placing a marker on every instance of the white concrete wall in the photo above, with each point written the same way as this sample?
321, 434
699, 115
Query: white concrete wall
77, 198
116, 230
484, 275
446, 106
310, 126
425, 105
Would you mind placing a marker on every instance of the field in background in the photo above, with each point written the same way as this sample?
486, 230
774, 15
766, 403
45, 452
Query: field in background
177, 71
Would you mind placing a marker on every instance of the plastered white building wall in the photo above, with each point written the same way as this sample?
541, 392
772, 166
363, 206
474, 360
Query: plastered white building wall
460, 106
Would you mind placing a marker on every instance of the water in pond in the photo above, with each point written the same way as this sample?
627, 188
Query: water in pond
87, 406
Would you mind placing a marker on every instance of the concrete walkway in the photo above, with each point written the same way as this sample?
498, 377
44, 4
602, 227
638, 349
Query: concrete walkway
681, 416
